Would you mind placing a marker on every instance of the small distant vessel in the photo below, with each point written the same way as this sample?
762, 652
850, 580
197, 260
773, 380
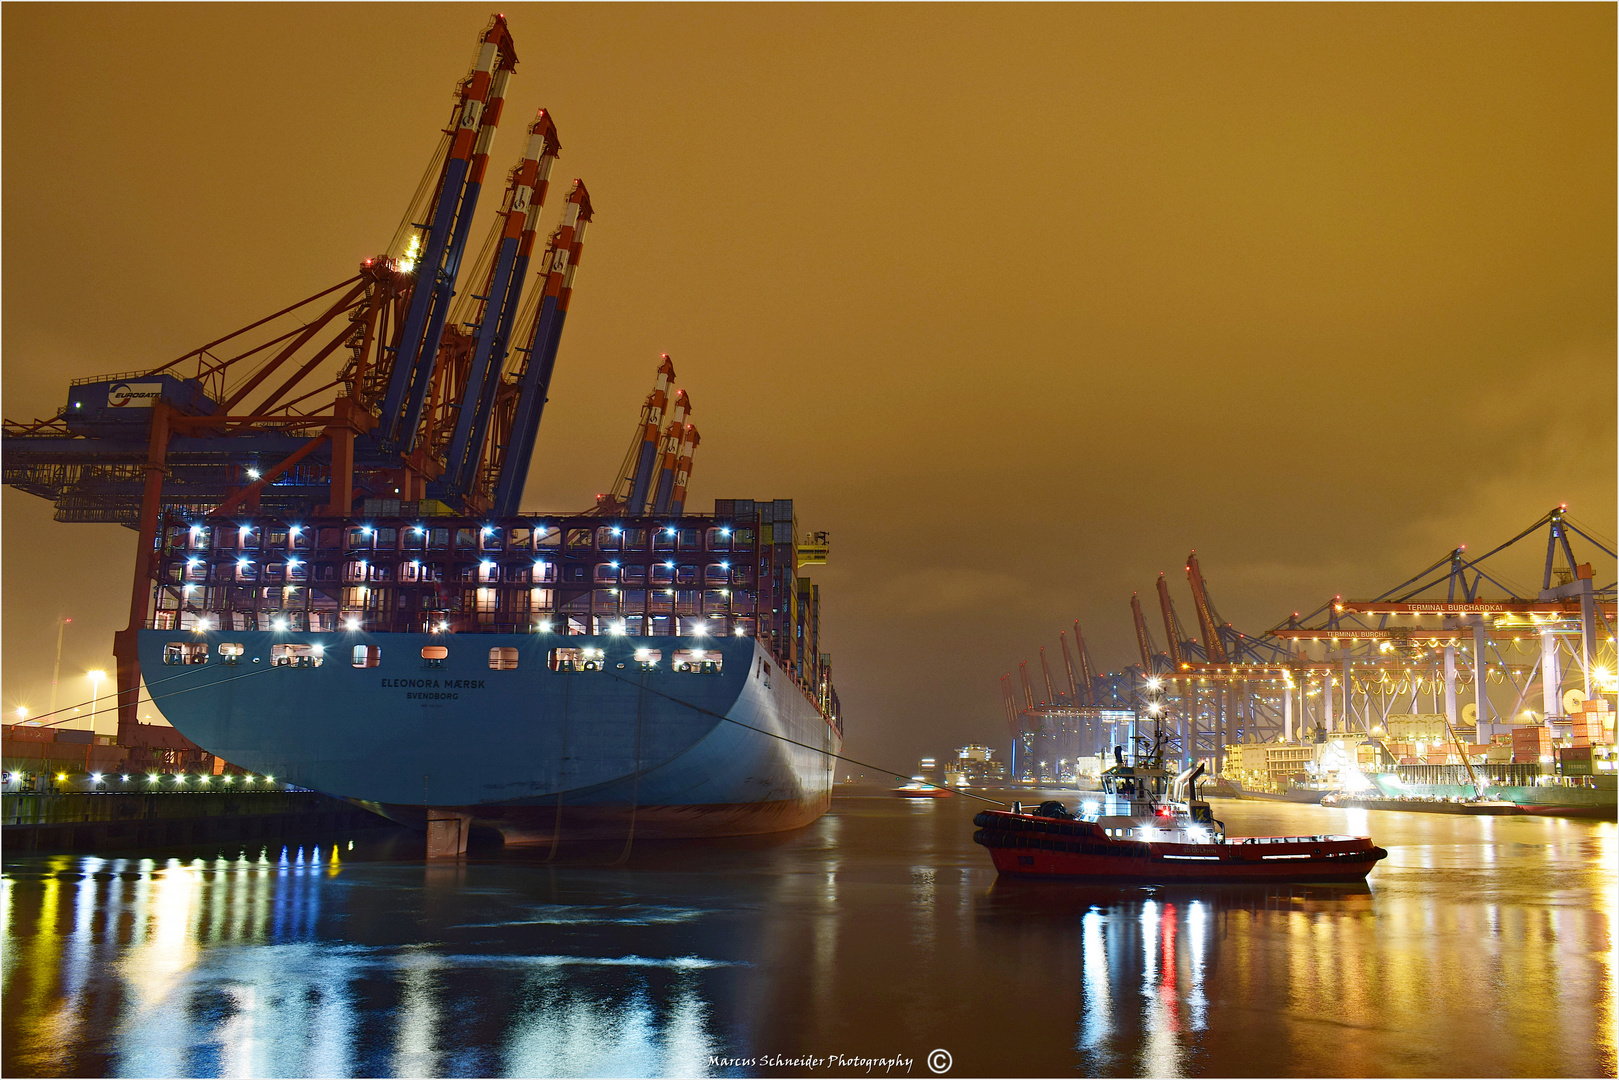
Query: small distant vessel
919, 788
1150, 828
1429, 804
1297, 794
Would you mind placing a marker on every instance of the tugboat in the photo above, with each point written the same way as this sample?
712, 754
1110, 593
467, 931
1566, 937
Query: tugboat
1149, 828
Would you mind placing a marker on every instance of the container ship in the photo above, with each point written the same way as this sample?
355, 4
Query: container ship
568, 676
335, 583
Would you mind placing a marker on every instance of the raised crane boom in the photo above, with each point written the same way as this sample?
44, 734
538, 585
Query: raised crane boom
1068, 663
670, 455
688, 450
1045, 669
1087, 674
458, 189
1143, 639
634, 477
1172, 625
524, 197
534, 376
1213, 647
1011, 704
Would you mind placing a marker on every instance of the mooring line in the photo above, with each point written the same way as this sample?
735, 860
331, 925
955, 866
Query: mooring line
152, 700
806, 746
114, 696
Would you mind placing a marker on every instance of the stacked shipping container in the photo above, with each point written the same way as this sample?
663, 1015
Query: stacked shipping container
732, 573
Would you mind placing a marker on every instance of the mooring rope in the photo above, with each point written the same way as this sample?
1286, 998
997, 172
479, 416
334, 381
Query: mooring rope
806, 746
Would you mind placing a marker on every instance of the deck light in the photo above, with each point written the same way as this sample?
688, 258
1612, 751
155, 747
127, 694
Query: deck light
179, 778
195, 529
319, 650
242, 563
617, 629
96, 777
204, 779
278, 624
124, 778
614, 565
151, 778
700, 628
228, 778
725, 566
252, 474
670, 564
486, 531
725, 532
268, 778
670, 530
351, 624
418, 530
617, 531
545, 626
740, 632
296, 529
22, 712
247, 780
61, 776
365, 530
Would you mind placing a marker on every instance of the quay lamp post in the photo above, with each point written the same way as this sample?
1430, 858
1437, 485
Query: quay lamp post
95, 693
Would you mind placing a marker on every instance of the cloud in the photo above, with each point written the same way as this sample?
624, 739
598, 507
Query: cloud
949, 590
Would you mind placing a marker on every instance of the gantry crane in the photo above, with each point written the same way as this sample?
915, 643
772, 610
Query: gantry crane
635, 475
364, 394
1395, 636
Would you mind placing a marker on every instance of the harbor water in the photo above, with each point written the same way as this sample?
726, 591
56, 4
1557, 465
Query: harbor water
876, 942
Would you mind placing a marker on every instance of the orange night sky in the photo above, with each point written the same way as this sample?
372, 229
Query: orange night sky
1020, 303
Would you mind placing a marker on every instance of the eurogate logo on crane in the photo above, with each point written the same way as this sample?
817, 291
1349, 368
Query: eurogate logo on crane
138, 395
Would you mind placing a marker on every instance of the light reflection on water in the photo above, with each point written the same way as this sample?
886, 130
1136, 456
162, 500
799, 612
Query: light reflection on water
881, 930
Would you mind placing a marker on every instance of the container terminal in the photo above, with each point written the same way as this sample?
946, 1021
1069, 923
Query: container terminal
1446, 686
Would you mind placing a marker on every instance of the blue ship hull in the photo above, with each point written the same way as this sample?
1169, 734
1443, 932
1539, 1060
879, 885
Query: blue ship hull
529, 750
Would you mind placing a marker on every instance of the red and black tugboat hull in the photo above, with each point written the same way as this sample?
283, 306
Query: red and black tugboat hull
1048, 847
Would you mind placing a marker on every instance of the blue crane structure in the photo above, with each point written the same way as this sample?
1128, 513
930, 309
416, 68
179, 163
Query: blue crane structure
1344, 668
1458, 622
1199, 719
361, 398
